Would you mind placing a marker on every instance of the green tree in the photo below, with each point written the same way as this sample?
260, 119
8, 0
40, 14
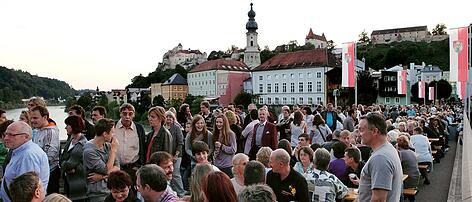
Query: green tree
364, 37
158, 101
103, 101
85, 101
443, 88
195, 105
243, 98
70, 101
215, 55
440, 29
175, 103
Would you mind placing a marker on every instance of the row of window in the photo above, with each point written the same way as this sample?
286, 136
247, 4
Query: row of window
206, 82
201, 74
301, 88
388, 100
291, 76
293, 100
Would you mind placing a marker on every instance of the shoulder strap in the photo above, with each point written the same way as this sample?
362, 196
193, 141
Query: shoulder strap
317, 127
5, 187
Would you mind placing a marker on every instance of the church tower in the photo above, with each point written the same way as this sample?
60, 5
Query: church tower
252, 54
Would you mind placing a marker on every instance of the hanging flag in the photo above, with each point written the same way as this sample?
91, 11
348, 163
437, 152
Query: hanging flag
421, 90
401, 82
348, 59
458, 52
461, 87
431, 93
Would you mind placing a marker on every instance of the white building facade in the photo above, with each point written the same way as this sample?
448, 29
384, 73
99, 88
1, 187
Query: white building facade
303, 86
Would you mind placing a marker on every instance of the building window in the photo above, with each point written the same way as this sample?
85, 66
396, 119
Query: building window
300, 100
300, 87
284, 76
284, 87
300, 75
318, 86
269, 88
292, 87
310, 100
292, 76
284, 100
308, 74
387, 100
261, 78
292, 100
386, 78
397, 100
276, 76
318, 100
269, 101
268, 77
276, 87
276, 101
261, 86
318, 74
261, 100
310, 86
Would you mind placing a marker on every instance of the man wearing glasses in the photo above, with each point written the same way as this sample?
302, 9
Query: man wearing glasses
26, 156
132, 139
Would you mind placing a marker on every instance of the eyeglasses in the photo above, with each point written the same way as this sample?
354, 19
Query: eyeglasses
14, 134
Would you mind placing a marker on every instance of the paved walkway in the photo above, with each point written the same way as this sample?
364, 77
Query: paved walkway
440, 178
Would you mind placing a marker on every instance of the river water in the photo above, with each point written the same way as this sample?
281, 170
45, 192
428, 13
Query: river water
55, 112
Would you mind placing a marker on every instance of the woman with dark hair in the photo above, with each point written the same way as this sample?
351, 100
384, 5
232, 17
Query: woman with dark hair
225, 145
337, 166
297, 127
305, 165
184, 115
198, 132
73, 173
307, 115
320, 131
119, 183
217, 187
100, 160
285, 144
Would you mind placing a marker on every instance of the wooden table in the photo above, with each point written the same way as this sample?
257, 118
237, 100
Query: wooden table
404, 177
351, 195
433, 139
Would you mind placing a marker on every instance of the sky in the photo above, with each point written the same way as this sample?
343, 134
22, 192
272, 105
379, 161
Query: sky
106, 43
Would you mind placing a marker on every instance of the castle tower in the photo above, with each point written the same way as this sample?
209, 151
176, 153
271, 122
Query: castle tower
252, 54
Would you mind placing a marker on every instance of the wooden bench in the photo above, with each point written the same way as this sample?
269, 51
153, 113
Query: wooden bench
410, 191
422, 167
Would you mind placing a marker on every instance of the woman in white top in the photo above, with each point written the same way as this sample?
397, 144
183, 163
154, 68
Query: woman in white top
297, 127
320, 131
423, 151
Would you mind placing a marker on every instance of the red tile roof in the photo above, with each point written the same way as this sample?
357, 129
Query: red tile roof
299, 59
314, 36
221, 64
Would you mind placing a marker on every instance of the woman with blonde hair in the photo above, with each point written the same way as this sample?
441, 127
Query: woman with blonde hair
177, 143
409, 162
196, 193
225, 145
263, 156
159, 139
237, 130
25, 117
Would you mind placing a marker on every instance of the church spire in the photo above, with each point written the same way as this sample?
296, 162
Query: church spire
251, 24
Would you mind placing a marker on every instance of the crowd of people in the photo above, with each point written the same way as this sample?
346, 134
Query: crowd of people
225, 154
